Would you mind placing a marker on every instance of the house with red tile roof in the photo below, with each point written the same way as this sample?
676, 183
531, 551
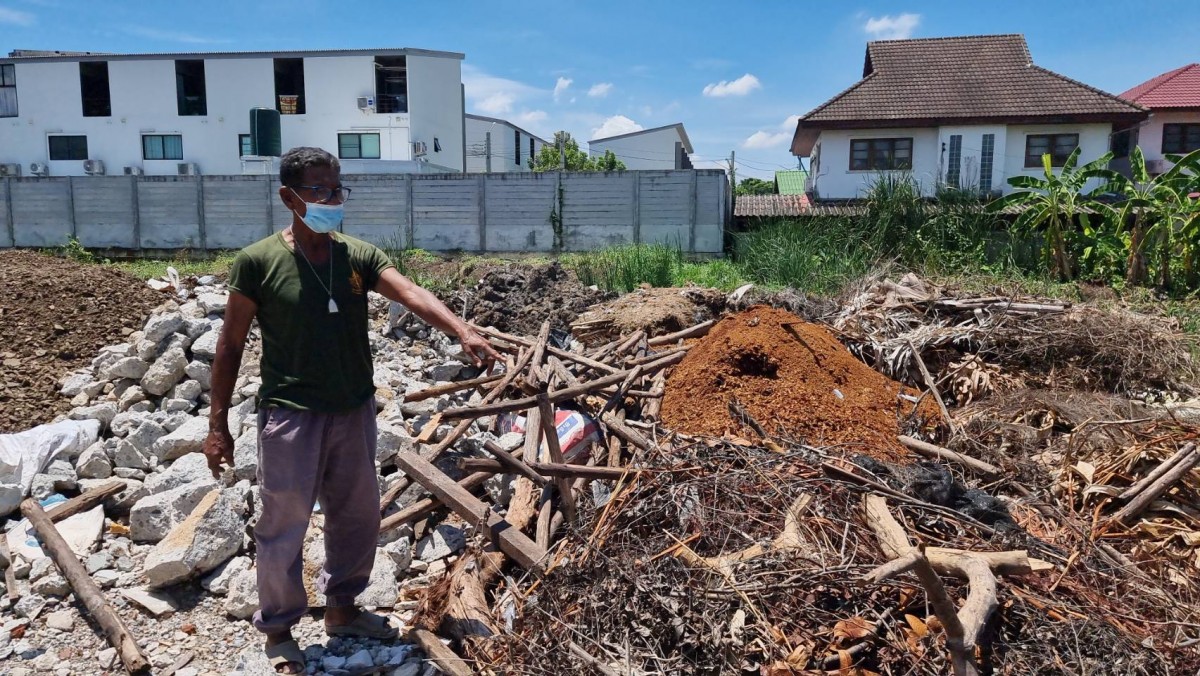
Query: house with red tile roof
1173, 99
968, 111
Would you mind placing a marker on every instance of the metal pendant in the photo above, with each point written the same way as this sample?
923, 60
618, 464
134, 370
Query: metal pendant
333, 308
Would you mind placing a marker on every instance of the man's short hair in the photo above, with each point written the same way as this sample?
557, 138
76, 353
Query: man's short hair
296, 161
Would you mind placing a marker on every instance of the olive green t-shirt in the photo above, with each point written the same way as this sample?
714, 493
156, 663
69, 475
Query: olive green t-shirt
312, 359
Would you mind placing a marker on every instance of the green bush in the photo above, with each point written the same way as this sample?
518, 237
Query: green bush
624, 268
819, 255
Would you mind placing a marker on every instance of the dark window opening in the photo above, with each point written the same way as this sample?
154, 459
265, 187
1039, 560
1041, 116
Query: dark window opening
1123, 142
68, 148
986, 160
531, 150
517, 145
1180, 138
244, 147
94, 90
8, 90
358, 146
189, 87
162, 147
289, 86
391, 84
1058, 146
954, 168
881, 154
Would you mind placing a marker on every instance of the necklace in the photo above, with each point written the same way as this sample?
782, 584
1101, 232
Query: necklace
333, 308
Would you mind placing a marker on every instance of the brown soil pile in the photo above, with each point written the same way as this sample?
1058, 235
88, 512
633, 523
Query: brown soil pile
654, 310
517, 300
788, 374
55, 315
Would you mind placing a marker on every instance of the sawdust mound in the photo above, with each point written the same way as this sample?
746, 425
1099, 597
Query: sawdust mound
55, 315
792, 377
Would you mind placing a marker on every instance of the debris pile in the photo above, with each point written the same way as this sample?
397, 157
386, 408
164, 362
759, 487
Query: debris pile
519, 299
656, 311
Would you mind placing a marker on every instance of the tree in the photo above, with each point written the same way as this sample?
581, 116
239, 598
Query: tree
1051, 205
551, 157
755, 186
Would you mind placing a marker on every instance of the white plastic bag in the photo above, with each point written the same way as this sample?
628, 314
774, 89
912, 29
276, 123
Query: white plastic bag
24, 454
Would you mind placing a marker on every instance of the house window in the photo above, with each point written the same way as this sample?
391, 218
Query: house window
531, 151
93, 89
517, 146
189, 87
68, 148
358, 146
162, 147
391, 84
289, 86
1058, 146
244, 145
954, 167
1123, 142
8, 90
987, 156
1180, 138
880, 154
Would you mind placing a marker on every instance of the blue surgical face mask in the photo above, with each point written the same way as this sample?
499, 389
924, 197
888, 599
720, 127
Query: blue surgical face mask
321, 218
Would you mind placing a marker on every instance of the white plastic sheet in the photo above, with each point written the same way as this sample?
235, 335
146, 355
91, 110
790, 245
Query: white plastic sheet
24, 454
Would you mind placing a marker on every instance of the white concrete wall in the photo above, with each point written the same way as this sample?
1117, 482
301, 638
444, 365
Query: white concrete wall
1150, 133
835, 180
504, 157
655, 150
1093, 142
972, 151
143, 101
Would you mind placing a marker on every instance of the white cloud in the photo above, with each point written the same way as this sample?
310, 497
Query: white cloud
760, 140
531, 117
172, 36
739, 87
790, 122
615, 126
16, 17
494, 95
561, 85
496, 104
600, 90
890, 27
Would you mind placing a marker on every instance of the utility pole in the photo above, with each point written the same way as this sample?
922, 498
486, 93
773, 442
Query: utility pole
487, 149
562, 155
732, 171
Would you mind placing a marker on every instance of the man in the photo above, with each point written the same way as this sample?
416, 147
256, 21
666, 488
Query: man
307, 287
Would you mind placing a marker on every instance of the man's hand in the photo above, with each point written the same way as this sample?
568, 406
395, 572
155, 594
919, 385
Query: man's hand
218, 449
478, 349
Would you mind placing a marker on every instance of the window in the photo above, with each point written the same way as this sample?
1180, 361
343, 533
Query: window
289, 86
1177, 138
531, 150
517, 146
1058, 146
68, 148
162, 147
93, 89
954, 167
8, 90
358, 146
880, 154
391, 84
1123, 142
244, 145
189, 88
986, 158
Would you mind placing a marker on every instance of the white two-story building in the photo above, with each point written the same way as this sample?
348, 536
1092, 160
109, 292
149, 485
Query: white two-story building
495, 145
386, 110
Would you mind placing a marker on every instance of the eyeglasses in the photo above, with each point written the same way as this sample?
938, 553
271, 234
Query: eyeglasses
324, 194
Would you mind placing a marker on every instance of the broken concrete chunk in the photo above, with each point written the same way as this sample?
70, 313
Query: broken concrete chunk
189, 468
242, 600
207, 538
74, 383
442, 542
245, 457
153, 517
104, 412
156, 603
162, 325
213, 303
129, 367
165, 372
205, 346
187, 438
219, 581
199, 372
188, 389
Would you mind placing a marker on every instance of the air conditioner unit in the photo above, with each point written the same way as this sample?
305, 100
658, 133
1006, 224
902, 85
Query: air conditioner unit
419, 149
38, 169
93, 167
133, 171
10, 170
366, 103
188, 169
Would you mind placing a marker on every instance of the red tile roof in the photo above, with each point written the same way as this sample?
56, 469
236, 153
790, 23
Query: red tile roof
957, 80
755, 206
1179, 88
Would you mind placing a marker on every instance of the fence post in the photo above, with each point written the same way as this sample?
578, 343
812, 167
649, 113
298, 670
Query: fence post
409, 226
137, 212
270, 206
692, 213
637, 208
200, 213
481, 193
71, 205
9, 219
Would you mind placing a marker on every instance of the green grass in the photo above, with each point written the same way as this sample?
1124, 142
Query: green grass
625, 268
185, 264
818, 255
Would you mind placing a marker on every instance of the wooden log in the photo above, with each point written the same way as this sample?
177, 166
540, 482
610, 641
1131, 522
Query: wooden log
630, 342
932, 385
696, 331
85, 589
562, 354
619, 428
531, 451
545, 514
450, 388
634, 361
536, 379
423, 508
1163, 467
84, 501
549, 469
550, 432
510, 540
513, 463
615, 444
445, 659
1129, 513
931, 451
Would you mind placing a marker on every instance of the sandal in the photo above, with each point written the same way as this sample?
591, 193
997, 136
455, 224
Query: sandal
366, 625
282, 654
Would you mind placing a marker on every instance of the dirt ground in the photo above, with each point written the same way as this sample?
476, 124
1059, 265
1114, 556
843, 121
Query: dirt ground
55, 315
653, 310
517, 300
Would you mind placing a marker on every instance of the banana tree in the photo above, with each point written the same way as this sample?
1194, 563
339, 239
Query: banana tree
1050, 205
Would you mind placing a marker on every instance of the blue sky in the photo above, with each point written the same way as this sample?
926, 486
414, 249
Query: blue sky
735, 73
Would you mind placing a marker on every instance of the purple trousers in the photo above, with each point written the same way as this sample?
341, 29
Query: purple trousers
304, 456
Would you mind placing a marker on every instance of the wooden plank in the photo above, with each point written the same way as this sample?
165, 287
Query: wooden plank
510, 540
549, 469
550, 432
444, 658
423, 508
84, 501
512, 463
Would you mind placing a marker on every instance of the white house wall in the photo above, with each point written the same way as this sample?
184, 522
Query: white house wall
142, 92
972, 154
504, 157
1150, 134
654, 150
1093, 142
835, 180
